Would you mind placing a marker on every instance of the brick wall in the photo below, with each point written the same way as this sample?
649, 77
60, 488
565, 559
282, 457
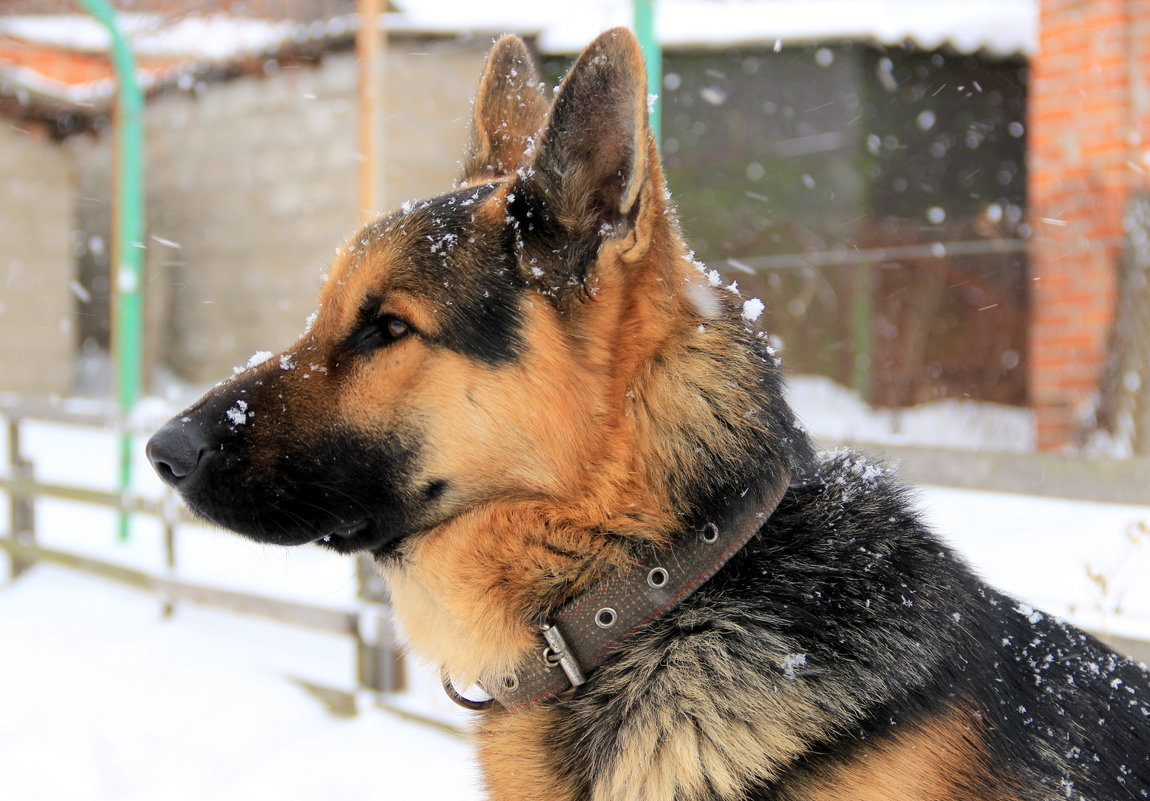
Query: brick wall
1090, 148
36, 265
251, 184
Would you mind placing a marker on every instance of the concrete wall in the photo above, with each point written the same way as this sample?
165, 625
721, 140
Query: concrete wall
36, 264
252, 183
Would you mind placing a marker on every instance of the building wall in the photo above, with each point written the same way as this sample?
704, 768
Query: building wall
255, 181
1090, 148
251, 184
36, 265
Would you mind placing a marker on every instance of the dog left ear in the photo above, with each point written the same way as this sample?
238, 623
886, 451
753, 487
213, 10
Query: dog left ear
591, 161
508, 112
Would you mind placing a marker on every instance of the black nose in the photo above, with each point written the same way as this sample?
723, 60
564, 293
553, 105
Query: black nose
176, 450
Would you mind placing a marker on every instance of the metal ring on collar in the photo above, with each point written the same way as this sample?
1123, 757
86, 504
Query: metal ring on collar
605, 618
657, 578
466, 703
710, 533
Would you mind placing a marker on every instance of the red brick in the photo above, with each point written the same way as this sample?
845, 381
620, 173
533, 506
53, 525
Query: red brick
1080, 94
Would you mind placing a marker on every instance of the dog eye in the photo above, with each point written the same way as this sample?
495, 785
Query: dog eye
396, 327
379, 333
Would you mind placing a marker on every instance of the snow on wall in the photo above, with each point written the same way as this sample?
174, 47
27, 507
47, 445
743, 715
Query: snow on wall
1002, 27
213, 37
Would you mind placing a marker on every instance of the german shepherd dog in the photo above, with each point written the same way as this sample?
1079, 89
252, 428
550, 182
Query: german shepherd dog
517, 394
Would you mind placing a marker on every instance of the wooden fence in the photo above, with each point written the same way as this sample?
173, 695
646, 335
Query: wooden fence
379, 667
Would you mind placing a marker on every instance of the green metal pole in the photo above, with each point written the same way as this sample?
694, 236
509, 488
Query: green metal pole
128, 236
644, 17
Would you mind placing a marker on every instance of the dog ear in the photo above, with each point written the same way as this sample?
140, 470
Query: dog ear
508, 113
590, 163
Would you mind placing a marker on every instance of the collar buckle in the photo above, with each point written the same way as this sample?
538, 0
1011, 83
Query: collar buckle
559, 653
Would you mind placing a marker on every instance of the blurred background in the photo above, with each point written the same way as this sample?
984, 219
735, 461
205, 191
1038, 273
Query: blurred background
942, 205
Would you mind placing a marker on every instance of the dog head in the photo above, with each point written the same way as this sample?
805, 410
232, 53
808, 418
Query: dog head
539, 334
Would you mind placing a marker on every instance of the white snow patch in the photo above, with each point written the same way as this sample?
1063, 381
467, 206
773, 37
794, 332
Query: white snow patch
703, 300
211, 37
258, 358
753, 310
791, 661
830, 410
238, 414
1002, 27
1078, 560
1029, 612
196, 707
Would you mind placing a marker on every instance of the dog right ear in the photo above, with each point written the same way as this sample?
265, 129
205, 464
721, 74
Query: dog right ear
508, 113
593, 173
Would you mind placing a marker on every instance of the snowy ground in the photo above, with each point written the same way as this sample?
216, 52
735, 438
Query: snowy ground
832, 411
100, 699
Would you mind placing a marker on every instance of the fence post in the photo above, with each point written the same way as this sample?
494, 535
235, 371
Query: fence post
21, 513
379, 664
169, 514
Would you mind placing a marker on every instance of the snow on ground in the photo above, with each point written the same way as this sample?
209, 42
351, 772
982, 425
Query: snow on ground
102, 700
1084, 561
830, 410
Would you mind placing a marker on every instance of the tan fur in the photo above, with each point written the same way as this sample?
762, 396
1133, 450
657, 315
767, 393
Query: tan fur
938, 760
671, 757
508, 112
668, 758
517, 762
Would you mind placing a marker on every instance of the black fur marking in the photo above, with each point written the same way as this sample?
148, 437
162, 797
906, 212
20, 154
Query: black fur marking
434, 490
556, 261
467, 270
769, 442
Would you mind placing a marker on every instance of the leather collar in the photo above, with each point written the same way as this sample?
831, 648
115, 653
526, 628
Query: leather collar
588, 628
